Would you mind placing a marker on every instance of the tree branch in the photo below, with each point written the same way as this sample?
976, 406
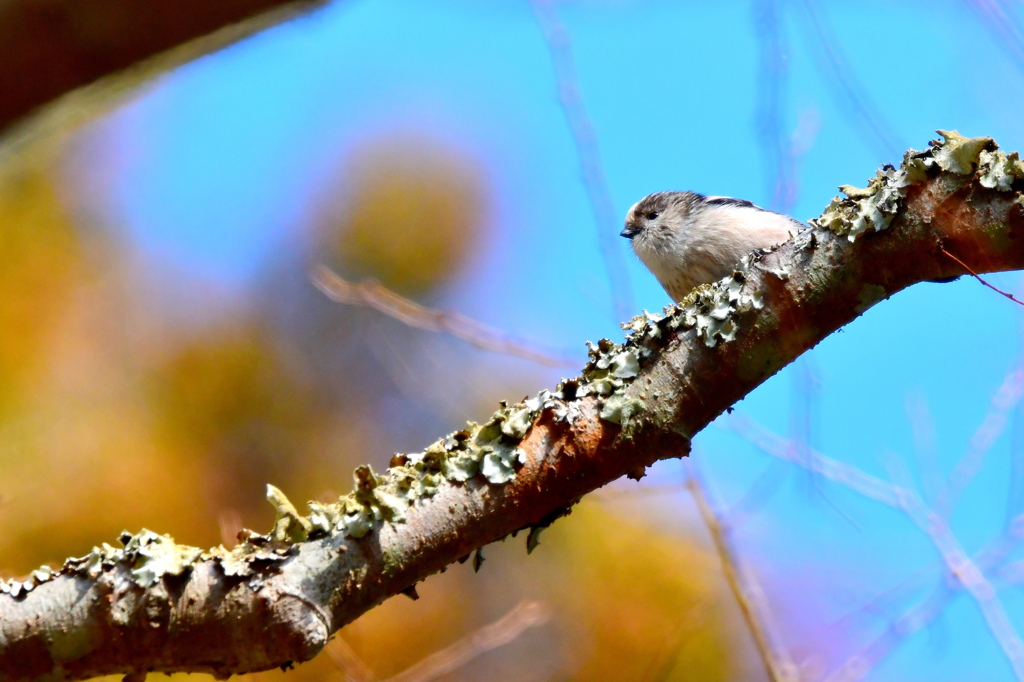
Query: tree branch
275, 599
50, 47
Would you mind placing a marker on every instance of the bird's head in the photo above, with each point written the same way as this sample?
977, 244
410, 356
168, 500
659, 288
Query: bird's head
657, 215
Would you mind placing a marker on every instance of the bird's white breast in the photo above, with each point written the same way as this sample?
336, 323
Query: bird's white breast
707, 245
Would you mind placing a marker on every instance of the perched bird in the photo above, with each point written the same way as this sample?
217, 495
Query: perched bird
687, 239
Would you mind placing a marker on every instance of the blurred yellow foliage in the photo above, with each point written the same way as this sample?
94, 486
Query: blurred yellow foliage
224, 399
628, 602
408, 214
77, 456
636, 603
40, 262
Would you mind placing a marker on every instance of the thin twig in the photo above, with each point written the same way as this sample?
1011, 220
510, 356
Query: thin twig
348, 661
834, 470
857, 666
527, 614
981, 279
772, 84
925, 446
744, 588
372, 294
860, 104
1002, 26
965, 571
585, 140
992, 427
933, 526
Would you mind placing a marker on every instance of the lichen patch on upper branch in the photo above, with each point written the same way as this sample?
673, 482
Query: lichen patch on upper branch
874, 207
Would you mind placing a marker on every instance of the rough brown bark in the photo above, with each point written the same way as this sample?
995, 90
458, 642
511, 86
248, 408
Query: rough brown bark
50, 47
277, 599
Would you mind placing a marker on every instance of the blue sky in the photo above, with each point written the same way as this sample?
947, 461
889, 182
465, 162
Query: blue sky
215, 166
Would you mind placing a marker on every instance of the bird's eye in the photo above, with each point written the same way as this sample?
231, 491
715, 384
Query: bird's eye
652, 215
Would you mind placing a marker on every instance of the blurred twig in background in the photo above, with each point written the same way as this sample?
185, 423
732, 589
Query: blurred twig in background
962, 568
770, 114
834, 470
925, 612
864, 112
744, 587
527, 614
925, 445
991, 428
857, 666
1002, 25
757, 495
970, 573
585, 139
372, 294
1015, 503
348, 661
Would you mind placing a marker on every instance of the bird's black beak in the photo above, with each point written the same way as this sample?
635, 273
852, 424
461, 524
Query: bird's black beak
629, 231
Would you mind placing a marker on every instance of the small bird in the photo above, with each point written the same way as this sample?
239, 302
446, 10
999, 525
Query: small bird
687, 239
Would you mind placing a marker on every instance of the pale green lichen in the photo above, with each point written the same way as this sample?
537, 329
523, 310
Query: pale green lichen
289, 525
999, 170
17, 588
620, 409
148, 555
609, 369
874, 207
959, 154
498, 464
712, 309
249, 559
490, 450
155, 556
782, 270
871, 208
644, 327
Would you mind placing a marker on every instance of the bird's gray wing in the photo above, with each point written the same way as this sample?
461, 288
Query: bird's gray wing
730, 201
